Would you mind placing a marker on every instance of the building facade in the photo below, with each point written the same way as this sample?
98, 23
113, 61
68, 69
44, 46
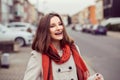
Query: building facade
111, 8
17, 11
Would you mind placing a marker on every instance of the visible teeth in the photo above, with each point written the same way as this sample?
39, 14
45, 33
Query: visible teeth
58, 33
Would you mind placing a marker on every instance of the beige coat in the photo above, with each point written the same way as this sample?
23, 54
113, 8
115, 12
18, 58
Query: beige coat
66, 71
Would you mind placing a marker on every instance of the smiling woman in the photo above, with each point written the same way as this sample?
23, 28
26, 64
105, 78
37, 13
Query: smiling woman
55, 55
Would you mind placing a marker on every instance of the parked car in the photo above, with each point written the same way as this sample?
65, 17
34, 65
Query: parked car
22, 26
21, 37
87, 28
77, 27
99, 29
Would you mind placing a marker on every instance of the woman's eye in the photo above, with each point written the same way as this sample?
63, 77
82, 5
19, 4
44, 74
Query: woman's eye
51, 26
61, 24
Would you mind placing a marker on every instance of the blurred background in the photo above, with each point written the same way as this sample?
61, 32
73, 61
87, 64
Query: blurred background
93, 24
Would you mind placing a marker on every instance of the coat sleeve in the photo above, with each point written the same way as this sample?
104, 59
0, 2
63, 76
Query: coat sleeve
34, 69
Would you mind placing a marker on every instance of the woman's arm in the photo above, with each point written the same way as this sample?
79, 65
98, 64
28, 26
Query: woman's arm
34, 69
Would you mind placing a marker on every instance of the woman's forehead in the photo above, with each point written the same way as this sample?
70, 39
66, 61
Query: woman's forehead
55, 19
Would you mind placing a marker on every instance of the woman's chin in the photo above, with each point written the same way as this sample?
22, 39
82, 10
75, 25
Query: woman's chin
58, 39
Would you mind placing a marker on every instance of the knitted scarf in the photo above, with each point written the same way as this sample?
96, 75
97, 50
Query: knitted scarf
82, 71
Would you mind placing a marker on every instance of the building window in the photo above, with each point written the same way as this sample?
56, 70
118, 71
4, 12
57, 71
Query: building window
108, 3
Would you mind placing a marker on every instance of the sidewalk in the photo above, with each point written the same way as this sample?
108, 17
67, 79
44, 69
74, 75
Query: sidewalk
18, 63
113, 34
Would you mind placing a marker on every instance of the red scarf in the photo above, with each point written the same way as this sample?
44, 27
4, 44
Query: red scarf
82, 71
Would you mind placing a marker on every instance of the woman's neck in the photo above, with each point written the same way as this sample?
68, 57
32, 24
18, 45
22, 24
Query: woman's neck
57, 45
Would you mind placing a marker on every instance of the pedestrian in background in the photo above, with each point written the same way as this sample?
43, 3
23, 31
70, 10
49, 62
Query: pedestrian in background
55, 55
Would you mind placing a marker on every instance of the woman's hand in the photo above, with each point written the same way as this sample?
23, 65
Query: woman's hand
96, 76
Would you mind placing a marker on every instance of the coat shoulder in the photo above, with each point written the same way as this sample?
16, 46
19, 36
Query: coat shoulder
34, 67
77, 48
36, 55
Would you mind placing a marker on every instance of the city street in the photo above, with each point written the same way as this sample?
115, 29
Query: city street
102, 52
19, 20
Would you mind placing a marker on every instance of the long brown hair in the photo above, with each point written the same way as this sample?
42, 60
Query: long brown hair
42, 38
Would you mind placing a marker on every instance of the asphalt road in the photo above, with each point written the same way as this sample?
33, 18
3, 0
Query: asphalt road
101, 52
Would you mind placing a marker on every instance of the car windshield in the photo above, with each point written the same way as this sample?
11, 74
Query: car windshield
16, 25
101, 27
19, 25
3, 28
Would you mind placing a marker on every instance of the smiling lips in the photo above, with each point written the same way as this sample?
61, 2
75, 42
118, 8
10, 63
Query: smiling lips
59, 33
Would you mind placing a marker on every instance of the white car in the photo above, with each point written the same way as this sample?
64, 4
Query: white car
77, 27
22, 26
21, 37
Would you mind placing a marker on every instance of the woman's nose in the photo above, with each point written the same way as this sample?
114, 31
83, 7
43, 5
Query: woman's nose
58, 27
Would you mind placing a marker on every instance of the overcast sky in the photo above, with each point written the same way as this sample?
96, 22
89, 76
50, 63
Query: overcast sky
63, 6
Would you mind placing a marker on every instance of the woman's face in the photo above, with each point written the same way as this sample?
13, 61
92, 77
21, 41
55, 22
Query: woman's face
56, 28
